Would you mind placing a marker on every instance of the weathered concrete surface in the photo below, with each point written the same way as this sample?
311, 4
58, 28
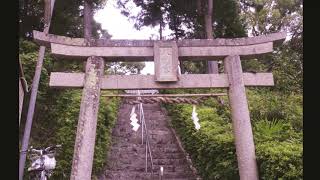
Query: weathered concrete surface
83, 51
126, 158
58, 79
241, 120
43, 39
87, 123
221, 51
166, 61
78, 52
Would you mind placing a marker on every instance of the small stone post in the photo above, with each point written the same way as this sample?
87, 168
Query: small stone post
87, 123
241, 120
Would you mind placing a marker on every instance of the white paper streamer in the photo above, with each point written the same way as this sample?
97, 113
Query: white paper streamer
179, 70
134, 120
195, 118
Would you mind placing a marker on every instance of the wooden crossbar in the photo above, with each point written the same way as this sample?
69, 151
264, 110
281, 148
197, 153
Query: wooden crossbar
76, 80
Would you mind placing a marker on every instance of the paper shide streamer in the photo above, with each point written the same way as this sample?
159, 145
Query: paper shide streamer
133, 119
195, 118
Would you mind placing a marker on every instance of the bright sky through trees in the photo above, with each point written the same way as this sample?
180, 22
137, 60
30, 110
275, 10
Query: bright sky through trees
120, 27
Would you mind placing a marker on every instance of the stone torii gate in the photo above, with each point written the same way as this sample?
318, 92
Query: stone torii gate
165, 55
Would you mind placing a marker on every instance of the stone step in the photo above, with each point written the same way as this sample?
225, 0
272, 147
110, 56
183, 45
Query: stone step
132, 175
126, 159
137, 144
139, 161
160, 132
153, 140
155, 155
125, 175
141, 149
169, 168
127, 127
136, 137
140, 167
169, 161
153, 145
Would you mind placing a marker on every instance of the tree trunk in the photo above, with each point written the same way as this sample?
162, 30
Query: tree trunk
208, 20
212, 65
87, 19
87, 25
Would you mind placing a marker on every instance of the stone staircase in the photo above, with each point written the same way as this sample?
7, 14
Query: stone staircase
126, 158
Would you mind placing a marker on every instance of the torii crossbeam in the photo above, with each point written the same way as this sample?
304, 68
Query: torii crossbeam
166, 54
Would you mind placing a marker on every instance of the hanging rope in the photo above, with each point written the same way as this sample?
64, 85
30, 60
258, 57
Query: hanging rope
178, 100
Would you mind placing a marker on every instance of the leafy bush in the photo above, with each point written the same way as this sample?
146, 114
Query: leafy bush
280, 160
56, 116
274, 106
68, 107
212, 149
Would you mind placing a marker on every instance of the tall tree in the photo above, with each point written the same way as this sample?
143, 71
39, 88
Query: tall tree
186, 19
268, 16
66, 20
212, 65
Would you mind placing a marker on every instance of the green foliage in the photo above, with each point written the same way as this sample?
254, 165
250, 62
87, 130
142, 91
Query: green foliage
277, 136
280, 160
56, 115
67, 112
288, 69
27, 46
268, 16
229, 24
211, 148
265, 16
28, 55
274, 106
125, 67
184, 17
66, 20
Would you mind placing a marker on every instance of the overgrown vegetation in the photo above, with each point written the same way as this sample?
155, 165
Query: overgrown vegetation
68, 107
57, 112
277, 134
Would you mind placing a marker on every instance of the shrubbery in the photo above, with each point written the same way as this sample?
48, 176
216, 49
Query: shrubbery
277, 123
274, 106
68, 107
56, 116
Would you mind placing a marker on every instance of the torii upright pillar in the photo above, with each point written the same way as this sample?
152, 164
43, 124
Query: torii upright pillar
87, 123
241, 120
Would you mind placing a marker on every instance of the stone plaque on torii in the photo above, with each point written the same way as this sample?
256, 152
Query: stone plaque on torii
166, 55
